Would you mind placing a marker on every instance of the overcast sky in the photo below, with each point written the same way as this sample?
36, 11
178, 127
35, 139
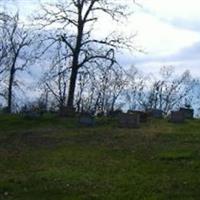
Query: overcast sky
168, 31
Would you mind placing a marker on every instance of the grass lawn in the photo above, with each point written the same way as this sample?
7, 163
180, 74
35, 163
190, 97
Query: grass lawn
54, 159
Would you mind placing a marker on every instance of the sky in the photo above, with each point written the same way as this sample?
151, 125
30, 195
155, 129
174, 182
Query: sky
169, 30
168, 33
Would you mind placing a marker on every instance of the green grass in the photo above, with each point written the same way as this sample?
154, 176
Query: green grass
53, 159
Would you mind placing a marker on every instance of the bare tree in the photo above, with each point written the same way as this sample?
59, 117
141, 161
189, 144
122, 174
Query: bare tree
99, 89
175, 90
110, 85
165, 92
83, 82
168, 91
56, 78
17, 40
74, 21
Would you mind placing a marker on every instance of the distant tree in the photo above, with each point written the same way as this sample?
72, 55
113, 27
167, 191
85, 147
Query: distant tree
74, 21
99, 89
15, 50
174, 90
4, 49
167, 92
110, 84
135, 89
81, 102
56, 78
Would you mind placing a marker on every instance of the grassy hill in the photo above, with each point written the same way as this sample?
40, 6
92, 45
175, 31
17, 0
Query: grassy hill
53, 159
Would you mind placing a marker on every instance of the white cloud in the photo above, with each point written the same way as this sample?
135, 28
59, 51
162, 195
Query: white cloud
158, 37
173, 8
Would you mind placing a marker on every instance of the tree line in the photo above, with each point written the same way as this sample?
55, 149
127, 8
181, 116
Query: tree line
81, 70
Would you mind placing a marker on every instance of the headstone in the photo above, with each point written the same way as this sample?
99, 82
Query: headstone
67, 112
100, 114
143, 115
86, 120
187, 112
129, 120
115, 113
31, 115
177, 117
155, 113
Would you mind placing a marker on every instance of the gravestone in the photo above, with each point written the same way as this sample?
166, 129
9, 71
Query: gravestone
129, 120
143, 115
67, 112
86, 120
155, 113
177, 117
31, 115
30, 112
187, 112
100, 114
115, 113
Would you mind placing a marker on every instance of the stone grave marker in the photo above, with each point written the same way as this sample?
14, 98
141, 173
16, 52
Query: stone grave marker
67, 112
129, 120
86, 120
187, 112
155, 113
143, 115
177, 117
115, 113
31, 115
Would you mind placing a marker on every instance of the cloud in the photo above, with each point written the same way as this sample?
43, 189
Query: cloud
185, 54
186, 58
188, 24
180, 14
188, 53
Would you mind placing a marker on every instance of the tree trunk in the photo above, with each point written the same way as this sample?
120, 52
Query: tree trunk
10, 87
75, 65
113, 104
72, 85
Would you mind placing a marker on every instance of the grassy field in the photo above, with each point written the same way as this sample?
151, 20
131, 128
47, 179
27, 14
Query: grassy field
54, 159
